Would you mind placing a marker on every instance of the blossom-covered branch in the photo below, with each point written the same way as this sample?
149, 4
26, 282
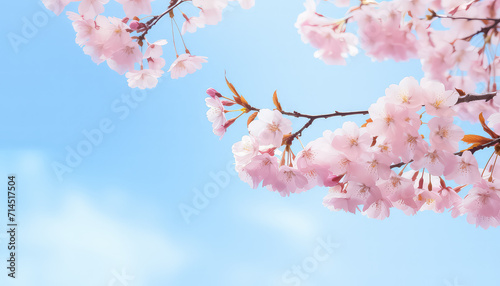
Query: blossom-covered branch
357, 163
120, 41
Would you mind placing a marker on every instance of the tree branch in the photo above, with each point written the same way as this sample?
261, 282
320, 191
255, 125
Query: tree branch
462, 99
473, 97
149, 24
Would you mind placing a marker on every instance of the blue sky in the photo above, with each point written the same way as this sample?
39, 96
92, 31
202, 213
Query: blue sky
118, 211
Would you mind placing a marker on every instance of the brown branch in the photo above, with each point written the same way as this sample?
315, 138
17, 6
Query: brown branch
484, 30
173, 4
473, 97
464, 18
462, 99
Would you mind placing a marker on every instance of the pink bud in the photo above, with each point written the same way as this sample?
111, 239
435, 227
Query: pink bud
227, 103
134, 25
229, 123
213, 93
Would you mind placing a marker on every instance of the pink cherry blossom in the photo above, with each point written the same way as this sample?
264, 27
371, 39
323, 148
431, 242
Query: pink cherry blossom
216, 113
91, 8
351, 140
244, 151
136, 7
145, 78
185, 64
270, 127
125, 58
56, 6
466, 170
482, 204
438, 101
444, 135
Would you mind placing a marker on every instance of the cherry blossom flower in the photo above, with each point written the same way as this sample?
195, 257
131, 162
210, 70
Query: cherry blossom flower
56, 6
136, 7
270, 127
91, 8
185, 64
482, 204
145, 78
244, 151
466, 170
438, 100
289, 180
192, 24
444, 134
351, 140
125, 58
216, 113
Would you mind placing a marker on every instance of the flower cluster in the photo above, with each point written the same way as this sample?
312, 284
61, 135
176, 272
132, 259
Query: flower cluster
411, 126
400, 30
120, 41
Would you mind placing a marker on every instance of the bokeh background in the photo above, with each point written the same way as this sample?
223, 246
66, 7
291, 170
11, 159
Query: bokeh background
116, 218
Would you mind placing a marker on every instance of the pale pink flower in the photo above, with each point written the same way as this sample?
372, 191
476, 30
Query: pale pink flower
444, 135
56, 6
85, 28
449, 199
156, 63
436, 162
114, 32
262, 168
247, 4
185, 64
270, 127
409, 145
382, 33
289, 180
438, 101
494, 122
482, 205
351, 140
377, 166
216, 114
337, 199
91, 8
328, 36
464, 54
427, 200
125, 58
390, 120
191, 24
417, 8
314, 160
376, 205
435, 56
408, 94
244, 151
155, 49
466, 170
145, 78
136, 7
